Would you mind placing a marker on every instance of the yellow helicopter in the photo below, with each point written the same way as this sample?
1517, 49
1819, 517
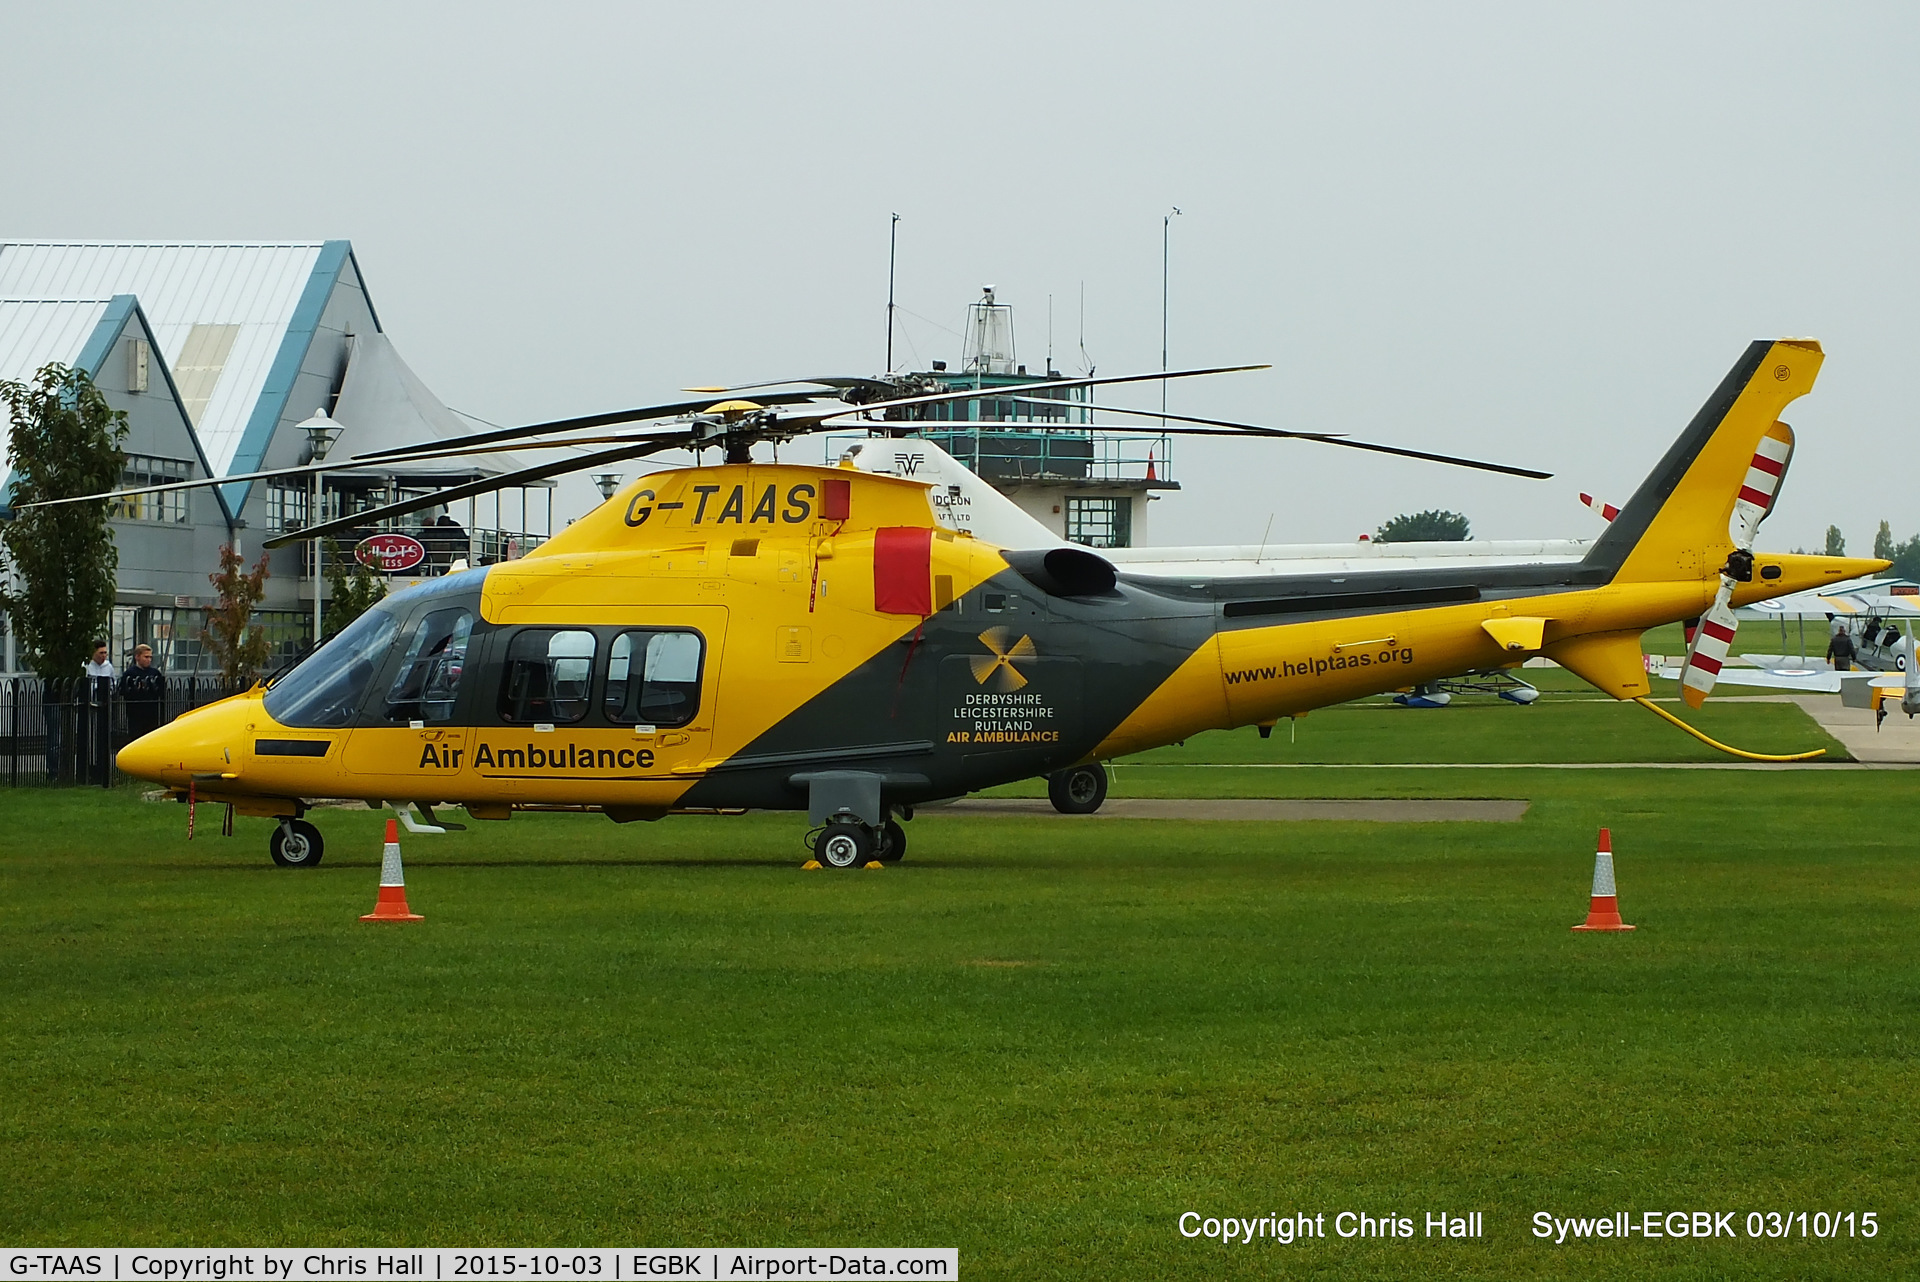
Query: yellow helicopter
788, 637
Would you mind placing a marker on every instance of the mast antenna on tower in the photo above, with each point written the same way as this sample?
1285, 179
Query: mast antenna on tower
893, 238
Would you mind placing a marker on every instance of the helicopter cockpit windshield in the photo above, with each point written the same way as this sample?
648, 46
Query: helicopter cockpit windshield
329, 690
324, 693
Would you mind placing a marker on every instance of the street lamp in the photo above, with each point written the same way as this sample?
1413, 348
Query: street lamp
608, 483
321, 432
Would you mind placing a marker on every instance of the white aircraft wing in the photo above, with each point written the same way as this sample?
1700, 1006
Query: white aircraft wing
1801, 680
1886, 606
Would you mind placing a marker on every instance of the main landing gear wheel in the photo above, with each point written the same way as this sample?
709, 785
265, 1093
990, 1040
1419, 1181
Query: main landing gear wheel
893, 843
296, 844
844, 845
1079, 790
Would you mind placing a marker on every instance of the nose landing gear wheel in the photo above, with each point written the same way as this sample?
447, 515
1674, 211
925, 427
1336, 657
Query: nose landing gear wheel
296, 844
1079, 790
893, 843
844, 845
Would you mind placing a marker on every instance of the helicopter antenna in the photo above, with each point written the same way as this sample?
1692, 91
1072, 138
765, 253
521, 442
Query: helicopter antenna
893, 240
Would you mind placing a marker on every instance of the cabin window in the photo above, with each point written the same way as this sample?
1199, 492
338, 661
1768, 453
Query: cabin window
424, 688
324, 692
653, 678
548, 677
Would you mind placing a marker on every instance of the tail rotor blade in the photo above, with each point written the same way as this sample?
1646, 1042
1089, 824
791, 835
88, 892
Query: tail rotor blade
1712, 641
1761, 486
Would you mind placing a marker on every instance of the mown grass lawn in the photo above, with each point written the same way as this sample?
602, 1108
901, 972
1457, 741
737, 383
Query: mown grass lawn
1038, 1040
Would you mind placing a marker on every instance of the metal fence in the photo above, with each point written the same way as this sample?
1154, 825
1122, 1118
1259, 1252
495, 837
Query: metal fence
67, 732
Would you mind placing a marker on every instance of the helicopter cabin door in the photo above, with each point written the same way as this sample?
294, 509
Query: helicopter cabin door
410, 729
661, 688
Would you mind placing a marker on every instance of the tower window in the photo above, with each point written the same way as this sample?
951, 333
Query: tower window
1105, 522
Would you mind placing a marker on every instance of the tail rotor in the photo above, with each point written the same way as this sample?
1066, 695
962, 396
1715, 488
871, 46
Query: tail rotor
1712, 641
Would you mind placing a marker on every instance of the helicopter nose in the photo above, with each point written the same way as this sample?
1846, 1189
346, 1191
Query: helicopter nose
204, 741
144, 757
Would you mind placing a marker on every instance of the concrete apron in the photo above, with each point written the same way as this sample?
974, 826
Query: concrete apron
1896, 741
1256, 809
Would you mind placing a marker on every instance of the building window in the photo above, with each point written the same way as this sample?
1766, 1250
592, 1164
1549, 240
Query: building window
169, 507
287, 508
1100, 522
202, 358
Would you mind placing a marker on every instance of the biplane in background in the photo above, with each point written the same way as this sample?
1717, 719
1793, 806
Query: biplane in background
819, 639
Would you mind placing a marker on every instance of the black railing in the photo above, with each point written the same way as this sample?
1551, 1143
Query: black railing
67, 732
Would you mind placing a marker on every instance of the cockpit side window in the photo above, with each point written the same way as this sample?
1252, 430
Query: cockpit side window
653, 678
548, 676
325, 691
429, 677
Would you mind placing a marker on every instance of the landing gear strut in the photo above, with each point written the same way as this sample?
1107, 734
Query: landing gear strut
296, 844
1078, 790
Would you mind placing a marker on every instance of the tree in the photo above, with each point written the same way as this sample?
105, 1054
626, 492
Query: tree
66, 441
1424, 527
1836, 543
1883, 544
1906, 559
238, 646
349, 595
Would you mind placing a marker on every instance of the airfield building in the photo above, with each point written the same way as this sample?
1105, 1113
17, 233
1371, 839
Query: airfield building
222, 355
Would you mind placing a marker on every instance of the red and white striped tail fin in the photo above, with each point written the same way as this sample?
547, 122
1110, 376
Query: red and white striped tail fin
1762, 484
1711, 643
1606, 510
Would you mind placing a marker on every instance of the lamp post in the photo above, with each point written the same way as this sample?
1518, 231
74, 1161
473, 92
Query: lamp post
321, 432
607, 482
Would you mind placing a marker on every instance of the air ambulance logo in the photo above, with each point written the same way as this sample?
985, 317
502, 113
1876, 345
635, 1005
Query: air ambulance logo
999, 672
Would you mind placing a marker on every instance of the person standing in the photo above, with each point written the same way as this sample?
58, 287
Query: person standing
143, 690
96, 709
1840, 649
451, 538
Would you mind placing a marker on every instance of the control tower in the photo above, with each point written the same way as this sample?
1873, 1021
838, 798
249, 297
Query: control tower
1089, 487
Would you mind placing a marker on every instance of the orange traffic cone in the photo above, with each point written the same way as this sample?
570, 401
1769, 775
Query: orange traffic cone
392, 904
1604, 913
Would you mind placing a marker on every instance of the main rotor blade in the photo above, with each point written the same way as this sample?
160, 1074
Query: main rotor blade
1255, 429
200, 483
835, 383
1141, 428
642, 414
1012, 390
508, 447
415, 454
455, 493
815, 419
1243, 429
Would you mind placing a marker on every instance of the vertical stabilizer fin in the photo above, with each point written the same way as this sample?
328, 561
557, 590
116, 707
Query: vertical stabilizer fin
1678, 524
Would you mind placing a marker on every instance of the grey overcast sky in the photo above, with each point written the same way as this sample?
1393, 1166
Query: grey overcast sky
1536, 233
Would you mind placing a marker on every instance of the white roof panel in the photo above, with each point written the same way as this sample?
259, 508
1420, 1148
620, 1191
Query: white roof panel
36, 332
180, 285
